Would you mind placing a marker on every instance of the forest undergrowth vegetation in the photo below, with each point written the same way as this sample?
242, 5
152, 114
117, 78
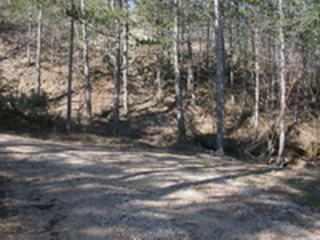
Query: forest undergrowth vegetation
151, 120
159, 119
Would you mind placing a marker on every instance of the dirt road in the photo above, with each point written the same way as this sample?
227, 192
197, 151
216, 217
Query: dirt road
57, 191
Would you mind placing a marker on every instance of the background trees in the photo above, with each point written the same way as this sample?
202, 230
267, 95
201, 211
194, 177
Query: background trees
266, 61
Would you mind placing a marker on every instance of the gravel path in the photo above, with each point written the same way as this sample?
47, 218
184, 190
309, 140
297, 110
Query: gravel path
58, 191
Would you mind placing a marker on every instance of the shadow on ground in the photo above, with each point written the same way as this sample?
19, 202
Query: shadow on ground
56, 191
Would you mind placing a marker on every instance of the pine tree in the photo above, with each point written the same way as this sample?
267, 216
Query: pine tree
86, 63
177, 73
220, 75
71, 14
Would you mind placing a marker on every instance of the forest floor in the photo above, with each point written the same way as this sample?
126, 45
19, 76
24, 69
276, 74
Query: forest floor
50, 190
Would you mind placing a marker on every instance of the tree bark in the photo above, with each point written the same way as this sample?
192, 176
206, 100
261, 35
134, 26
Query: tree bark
159, 74
268, 99
282, 139
274, 76
70, 69
39, 50
177, 72
117, 75
125, 62
220, 75
231, 62
86, 64
112, 4
190, 77
208, 47
29, 40
160, 58
257, 80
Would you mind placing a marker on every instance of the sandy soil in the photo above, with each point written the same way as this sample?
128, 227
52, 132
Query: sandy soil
52, 191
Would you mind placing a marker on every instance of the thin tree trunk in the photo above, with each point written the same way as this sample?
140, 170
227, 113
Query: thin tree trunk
231, 62
181, 37
116, 93
201, 47
160, 59
39, 50
305, 77
115, 62
270, 72
274, 77
53, 48
113, 4
70, 69
29, 40
280, 160
208, 46
178, 85
257, 80
86, 64
190, 77
159, 74
125, 62
238, 43
220, 75
116, 80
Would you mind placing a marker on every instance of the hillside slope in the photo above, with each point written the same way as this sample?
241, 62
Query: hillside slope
151, 121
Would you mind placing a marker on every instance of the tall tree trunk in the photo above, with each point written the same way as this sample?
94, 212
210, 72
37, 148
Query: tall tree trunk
231, 61
39, 50
274, 76
270, 72
112, 4
282, 139
257, 80
177, 71
159, 74
53, 48
29, 39
160, 58
305, 78
70, 68
116, 84
220, 75
125, 61
208, 47
190, 77
86, 64
117, 75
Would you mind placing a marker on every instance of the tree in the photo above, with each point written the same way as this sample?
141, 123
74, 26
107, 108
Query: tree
177, 73
39, 48
282, 137
29, 38
39, 4
257, 79
190, 17
220, 75
274, 66
162, 24
71, 14
190, 77
86, 63
117, 68
125, 48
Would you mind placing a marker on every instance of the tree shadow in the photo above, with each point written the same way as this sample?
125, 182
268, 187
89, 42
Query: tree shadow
307, 188
73, 192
